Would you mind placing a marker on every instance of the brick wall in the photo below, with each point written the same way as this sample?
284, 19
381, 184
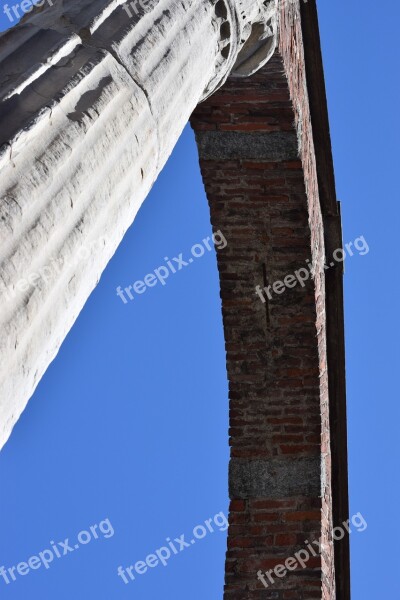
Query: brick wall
257, 159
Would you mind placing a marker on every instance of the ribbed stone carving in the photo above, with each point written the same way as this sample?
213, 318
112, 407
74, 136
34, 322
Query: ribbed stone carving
92, 103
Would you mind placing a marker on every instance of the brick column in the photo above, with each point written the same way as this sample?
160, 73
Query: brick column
259, 169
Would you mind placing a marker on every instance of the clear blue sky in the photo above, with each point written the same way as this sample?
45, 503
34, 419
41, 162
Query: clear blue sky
130, 421
361, 56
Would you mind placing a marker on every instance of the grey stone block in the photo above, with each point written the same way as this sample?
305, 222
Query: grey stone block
223, 145
275, 478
